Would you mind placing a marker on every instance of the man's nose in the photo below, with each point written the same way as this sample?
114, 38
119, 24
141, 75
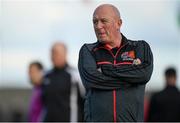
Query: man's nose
99, 25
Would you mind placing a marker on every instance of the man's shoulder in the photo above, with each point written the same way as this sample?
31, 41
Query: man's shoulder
158, 94
137, 42
89, 46
48, 73
71, 69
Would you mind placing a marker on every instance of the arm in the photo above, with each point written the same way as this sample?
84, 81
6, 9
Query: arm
133, 74
91, 77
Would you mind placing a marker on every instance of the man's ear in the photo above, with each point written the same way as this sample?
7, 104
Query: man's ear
119, 22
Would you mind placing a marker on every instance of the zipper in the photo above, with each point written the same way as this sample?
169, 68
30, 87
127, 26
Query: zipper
114, 91
114, 101
114, 106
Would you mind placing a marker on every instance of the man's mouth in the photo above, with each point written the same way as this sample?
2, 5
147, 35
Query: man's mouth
102, 34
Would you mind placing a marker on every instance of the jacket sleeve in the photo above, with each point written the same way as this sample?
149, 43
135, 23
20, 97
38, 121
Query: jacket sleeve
133, 74
91, 77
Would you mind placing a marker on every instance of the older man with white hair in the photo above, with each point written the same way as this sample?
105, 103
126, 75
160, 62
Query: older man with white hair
114, 71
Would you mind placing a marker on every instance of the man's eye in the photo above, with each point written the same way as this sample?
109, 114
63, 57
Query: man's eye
95, 21
104, 21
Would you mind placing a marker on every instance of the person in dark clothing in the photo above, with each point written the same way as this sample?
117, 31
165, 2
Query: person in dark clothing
62, 89
165, 105
114, 71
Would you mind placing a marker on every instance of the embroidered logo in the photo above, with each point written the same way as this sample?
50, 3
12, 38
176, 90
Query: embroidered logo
128, 56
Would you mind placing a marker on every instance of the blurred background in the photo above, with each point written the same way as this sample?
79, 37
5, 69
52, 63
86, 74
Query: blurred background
28, 29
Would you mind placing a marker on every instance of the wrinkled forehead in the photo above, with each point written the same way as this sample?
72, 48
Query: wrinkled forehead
106, 11
102, 11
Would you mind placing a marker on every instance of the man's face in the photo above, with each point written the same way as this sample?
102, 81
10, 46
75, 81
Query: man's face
106, 25
171, 80
58, 56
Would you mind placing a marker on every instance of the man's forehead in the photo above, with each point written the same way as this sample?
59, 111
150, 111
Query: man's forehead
101, 17
106, 10
103, 10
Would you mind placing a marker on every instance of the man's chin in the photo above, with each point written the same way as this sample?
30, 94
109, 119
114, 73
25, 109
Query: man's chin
102, 41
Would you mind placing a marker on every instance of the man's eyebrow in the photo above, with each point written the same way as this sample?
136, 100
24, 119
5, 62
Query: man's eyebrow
104, 18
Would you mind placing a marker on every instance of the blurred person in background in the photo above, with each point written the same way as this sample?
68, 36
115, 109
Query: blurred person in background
36, 78
62, 89
165, 105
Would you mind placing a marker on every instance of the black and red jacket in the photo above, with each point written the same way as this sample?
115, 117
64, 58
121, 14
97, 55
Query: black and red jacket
114, 86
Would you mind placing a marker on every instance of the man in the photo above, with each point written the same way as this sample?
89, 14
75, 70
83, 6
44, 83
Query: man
114, 70
165, 105
62, 90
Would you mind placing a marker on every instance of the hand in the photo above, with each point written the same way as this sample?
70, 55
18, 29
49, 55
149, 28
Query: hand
99, 69
137, 61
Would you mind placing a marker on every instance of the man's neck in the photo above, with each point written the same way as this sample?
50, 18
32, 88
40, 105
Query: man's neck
60, 67
116, 42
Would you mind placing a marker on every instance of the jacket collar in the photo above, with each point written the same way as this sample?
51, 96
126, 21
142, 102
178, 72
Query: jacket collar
124, 42
58, 69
